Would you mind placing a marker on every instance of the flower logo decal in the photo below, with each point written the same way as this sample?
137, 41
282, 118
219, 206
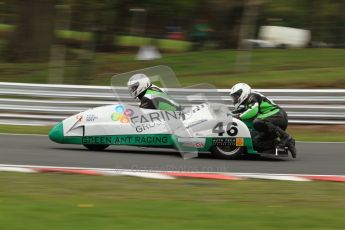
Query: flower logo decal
121, 114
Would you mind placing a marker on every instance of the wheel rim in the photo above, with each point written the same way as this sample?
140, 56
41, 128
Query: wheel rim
228, 150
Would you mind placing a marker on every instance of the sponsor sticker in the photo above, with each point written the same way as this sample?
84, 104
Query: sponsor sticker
91, 117
157, 116
224, 141
146, 126
127, 140
239, 141
79, 117
192, 142
121, 114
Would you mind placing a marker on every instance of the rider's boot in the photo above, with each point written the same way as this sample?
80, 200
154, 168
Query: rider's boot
292, 148
285, 139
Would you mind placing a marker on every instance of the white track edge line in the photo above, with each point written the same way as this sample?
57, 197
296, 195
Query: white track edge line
157, 171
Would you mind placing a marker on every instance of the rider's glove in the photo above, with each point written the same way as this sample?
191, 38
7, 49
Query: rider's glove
236, 115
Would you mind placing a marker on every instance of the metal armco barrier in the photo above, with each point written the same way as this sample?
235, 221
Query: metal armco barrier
45, 104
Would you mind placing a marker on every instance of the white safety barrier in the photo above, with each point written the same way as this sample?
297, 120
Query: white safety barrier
46, 104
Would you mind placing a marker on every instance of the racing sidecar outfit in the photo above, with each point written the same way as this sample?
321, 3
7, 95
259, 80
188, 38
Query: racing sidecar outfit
268, 118
156, 98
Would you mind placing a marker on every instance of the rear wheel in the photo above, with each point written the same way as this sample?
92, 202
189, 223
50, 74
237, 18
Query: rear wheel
96, 147
227, 152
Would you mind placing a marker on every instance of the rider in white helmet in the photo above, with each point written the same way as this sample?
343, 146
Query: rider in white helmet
150, 96
268, 118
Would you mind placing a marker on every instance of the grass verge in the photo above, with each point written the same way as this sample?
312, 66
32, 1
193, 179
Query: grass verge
269, 68
50, 201
333, 133
23, 129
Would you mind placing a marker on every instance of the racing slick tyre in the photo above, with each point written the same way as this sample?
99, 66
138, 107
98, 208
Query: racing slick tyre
96, 147
227, 152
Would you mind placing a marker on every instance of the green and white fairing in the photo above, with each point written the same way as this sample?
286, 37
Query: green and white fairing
203, 127
200, 127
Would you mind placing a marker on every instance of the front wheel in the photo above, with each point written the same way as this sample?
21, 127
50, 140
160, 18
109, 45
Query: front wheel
227, 152
96, 147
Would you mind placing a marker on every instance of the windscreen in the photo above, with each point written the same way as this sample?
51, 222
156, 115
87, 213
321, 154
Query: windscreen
162, 76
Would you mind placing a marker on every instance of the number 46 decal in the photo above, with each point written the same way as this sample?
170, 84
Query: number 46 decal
231, 129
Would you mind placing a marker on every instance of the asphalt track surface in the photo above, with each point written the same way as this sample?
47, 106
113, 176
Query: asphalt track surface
313, 158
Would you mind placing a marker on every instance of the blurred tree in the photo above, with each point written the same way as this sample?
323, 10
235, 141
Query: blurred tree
34, 31
164, 13
35, 21
325, 18
331, 19
98, 17
159, 14
104, 25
